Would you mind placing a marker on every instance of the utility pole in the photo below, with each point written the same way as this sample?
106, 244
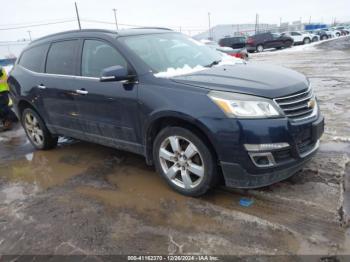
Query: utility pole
310, 20
30, 36
115, 17
256, 23
210, 36
76, 11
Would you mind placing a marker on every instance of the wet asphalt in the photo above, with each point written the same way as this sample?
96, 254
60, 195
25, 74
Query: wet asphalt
86, 199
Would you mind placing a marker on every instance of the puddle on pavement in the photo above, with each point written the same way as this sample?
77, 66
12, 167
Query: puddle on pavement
143, 193
53, 167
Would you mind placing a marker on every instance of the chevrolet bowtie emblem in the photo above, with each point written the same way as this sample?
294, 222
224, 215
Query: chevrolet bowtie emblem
311, 103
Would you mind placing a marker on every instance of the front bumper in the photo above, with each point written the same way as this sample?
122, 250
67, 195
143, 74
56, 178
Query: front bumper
241, 172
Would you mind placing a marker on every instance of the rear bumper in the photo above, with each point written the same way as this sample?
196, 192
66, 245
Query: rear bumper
251, 48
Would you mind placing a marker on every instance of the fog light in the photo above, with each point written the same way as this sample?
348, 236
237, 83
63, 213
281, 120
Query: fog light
265, 147
262, 159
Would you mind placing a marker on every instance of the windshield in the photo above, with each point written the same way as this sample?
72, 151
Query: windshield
171, 51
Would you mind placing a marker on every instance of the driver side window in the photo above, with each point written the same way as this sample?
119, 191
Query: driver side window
98, 55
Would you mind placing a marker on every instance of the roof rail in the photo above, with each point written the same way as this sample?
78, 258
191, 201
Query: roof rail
151, 27
73, 31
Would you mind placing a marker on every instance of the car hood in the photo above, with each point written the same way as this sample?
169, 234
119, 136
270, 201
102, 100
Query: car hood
248, 78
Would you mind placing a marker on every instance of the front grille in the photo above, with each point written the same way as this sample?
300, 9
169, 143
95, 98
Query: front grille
297, 106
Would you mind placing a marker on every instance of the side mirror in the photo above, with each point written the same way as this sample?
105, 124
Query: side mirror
115, 73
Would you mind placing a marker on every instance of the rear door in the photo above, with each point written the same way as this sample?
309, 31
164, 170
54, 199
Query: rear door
58, 86
109, 110
276, 40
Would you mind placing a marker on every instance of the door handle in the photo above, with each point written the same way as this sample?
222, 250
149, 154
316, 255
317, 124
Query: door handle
41, 86
82, 92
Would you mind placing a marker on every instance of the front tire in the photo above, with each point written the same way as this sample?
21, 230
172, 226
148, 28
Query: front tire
306, 41
259, 48
36, 130
184, 161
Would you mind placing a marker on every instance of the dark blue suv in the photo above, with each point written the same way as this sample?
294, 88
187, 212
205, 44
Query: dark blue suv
199, 116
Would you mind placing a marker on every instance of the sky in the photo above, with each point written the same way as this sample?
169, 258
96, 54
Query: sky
189, 15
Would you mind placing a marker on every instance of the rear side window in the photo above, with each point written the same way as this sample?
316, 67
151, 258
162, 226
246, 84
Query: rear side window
61, 58
34, 58
98, 55
225, 42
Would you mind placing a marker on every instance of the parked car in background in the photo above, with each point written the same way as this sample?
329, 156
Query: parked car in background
321, 33
330, 33
314, 37
342, 30
262, 41
238, 52
158, 93
345, 31
336, 32
233, 42
299, 37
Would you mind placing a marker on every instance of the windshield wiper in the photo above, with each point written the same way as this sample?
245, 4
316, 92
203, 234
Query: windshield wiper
216, 62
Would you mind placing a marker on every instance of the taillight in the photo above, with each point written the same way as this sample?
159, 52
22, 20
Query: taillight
238, 55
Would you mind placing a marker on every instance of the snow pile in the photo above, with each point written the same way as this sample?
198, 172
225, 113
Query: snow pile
230, 60
171, 72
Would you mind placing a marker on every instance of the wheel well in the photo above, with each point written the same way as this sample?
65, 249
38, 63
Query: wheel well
23, 104
161, 123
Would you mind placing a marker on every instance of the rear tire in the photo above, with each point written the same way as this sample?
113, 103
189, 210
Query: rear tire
288, 44
324, 37
184, 161
36, 130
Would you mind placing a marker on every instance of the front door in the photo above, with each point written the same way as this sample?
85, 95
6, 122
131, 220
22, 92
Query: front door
108, 110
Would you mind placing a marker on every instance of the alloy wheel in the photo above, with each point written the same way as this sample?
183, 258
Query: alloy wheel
34, 131
181, 162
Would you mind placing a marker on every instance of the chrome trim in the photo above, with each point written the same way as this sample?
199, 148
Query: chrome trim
49, 74
82, 92
294, 108
268, 155
107, 77
296, 101
316, 146
300, 114
257, 147
287, 97
287, 111
41, 86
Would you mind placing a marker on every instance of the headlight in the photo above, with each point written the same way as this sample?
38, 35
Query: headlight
244, 106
